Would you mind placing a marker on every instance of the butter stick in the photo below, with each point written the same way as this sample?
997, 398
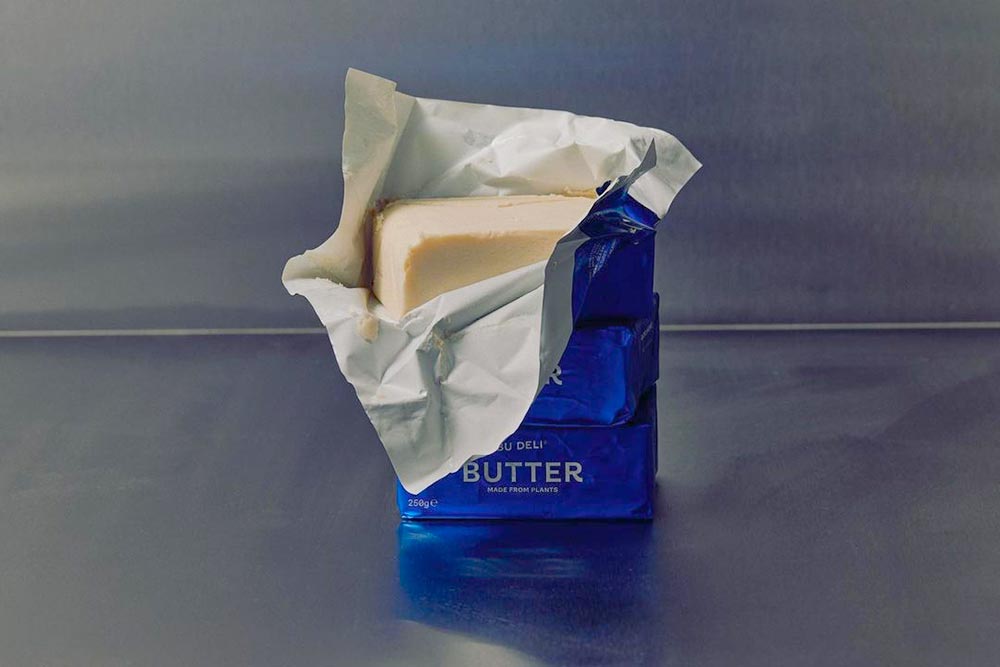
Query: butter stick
424, 247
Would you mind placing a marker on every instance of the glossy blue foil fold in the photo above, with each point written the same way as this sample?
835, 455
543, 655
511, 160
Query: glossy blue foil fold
613, 269
604, 371
552, 472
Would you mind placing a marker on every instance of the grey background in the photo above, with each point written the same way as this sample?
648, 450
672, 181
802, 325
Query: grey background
160, 160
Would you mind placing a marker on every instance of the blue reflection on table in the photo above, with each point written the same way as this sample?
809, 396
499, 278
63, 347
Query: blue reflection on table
563, 592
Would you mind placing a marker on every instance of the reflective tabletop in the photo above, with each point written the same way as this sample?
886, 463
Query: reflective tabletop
824, 499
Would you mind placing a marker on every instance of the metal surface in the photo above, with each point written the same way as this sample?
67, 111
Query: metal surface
159, 160
825, 499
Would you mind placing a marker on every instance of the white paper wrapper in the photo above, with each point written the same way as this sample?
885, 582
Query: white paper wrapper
454, 377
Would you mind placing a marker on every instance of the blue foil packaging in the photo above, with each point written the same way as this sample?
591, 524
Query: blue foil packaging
613, 269
601, 377
622, 286
552, 472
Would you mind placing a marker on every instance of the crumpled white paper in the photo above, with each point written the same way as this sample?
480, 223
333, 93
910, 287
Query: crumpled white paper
455, 376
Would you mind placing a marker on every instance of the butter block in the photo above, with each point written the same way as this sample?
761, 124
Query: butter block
422, 248
552, 472
601, 375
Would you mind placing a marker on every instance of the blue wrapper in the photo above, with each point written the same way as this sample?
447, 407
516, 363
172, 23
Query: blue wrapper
613, 269
601, 376
552, 472
622, 288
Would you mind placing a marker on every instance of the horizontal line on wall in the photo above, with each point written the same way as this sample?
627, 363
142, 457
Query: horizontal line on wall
834, 326
96, 333
313, 331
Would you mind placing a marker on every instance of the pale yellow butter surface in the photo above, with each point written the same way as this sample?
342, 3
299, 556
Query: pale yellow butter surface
424, 247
